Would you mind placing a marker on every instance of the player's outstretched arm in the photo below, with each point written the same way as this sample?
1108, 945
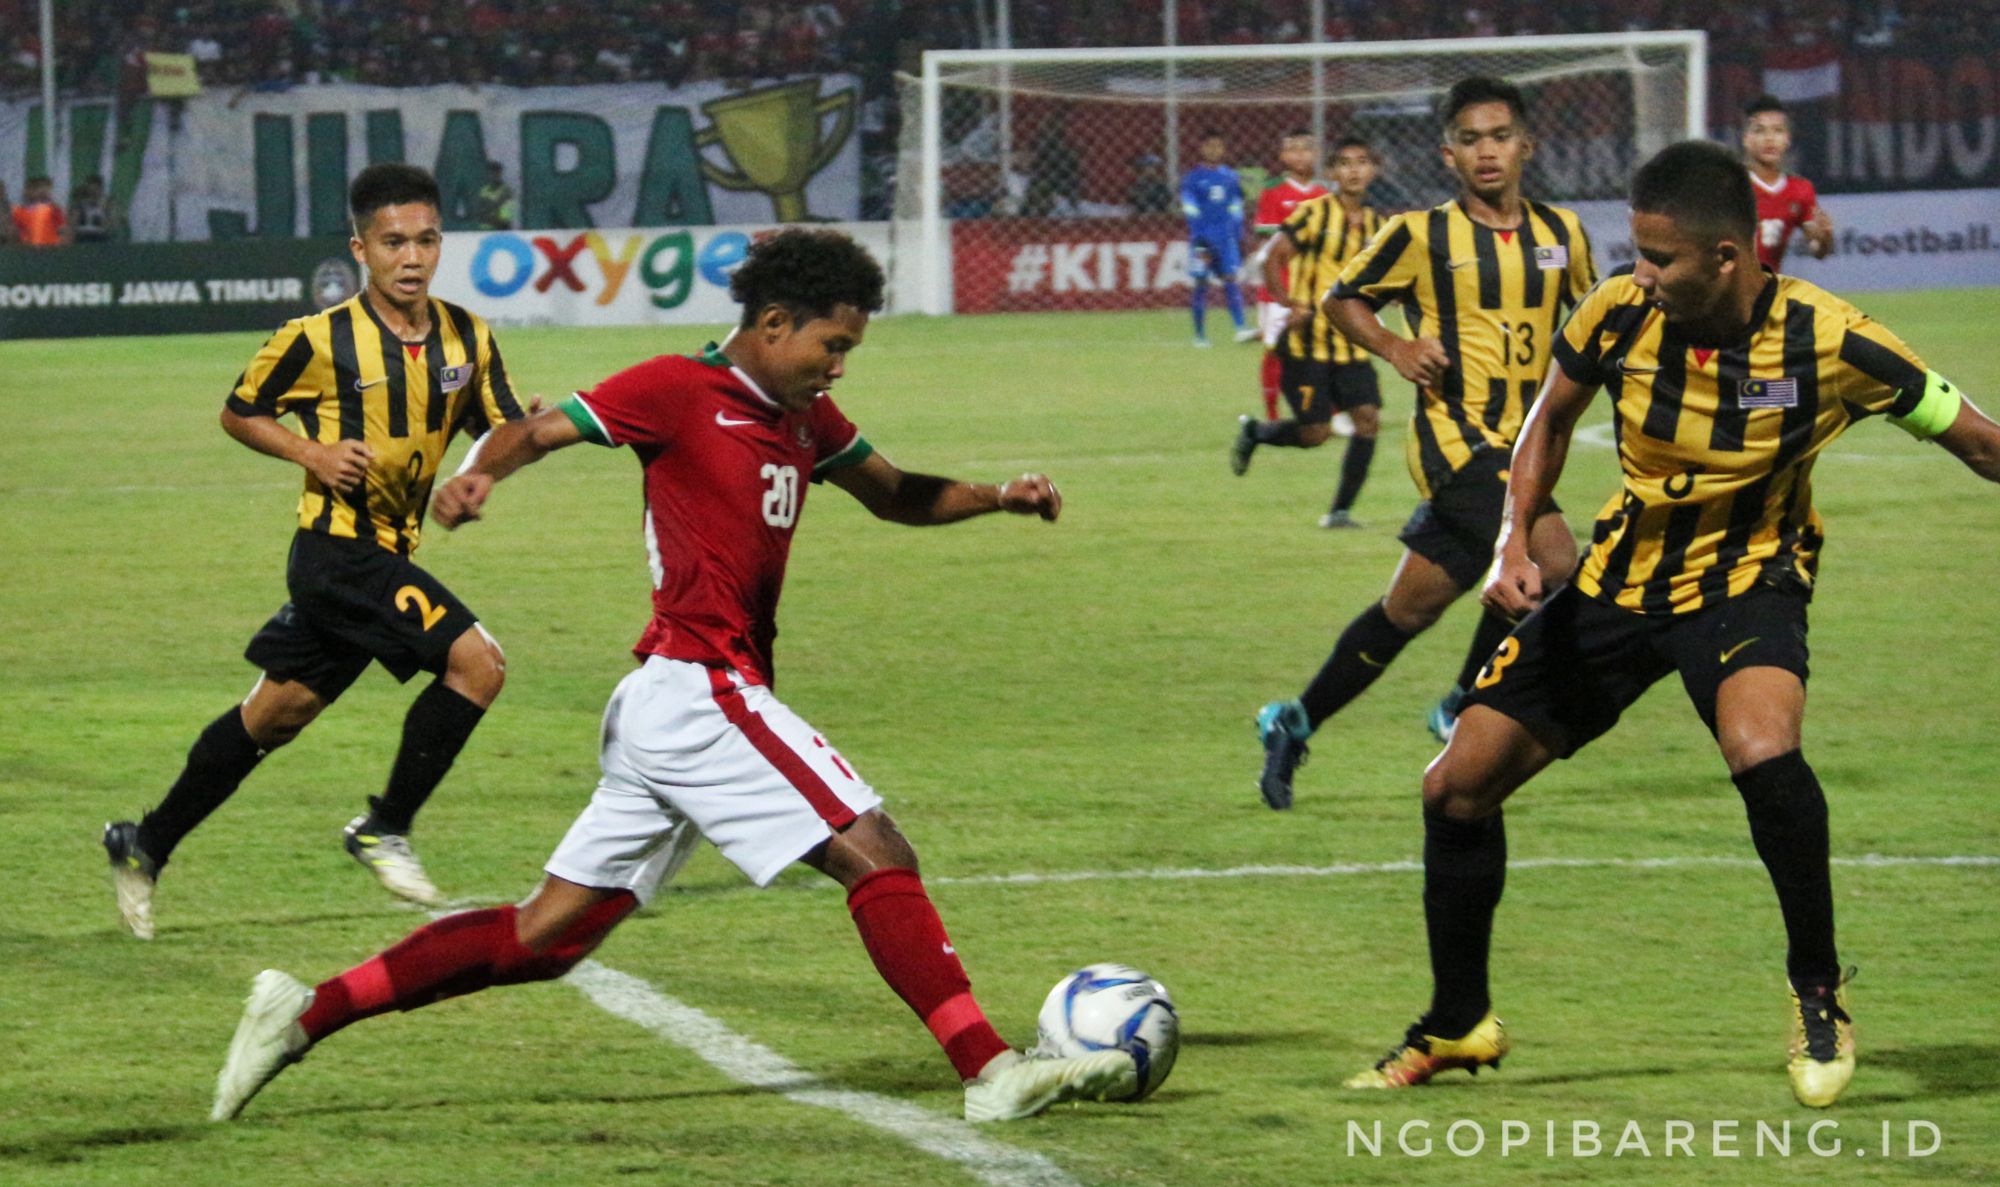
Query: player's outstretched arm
1974, 439
496, 455
1422, 361
1514, 585
921, 500
341, 466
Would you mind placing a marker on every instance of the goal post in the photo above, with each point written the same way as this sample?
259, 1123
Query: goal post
1079, 151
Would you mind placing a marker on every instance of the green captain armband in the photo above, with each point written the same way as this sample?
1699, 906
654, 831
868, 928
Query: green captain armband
585, 420
1936, 409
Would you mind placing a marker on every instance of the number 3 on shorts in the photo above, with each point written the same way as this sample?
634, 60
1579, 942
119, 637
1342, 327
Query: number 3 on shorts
430, 614
1508, 651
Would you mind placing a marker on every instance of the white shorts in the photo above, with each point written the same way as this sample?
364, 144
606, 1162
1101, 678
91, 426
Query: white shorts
691, 752
1273, 317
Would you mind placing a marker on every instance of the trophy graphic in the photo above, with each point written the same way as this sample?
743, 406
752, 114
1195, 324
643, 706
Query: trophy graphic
773, 139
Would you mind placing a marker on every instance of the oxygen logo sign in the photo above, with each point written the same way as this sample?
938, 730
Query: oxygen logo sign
666, 264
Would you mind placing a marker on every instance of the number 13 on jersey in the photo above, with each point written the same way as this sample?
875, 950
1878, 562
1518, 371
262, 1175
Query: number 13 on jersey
781, 497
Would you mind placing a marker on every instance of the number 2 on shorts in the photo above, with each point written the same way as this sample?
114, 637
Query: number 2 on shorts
429, 613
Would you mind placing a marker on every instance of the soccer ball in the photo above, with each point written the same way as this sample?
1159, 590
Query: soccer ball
1107, 1006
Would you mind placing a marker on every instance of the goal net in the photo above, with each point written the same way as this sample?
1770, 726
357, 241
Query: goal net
1049, 179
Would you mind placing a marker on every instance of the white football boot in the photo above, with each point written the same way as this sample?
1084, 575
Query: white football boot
390, 858
268, 1040
1016, 1085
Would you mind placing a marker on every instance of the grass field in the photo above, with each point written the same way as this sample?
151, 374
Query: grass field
1061, 699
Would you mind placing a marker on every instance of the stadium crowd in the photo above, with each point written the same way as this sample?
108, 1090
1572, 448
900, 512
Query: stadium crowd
279, 43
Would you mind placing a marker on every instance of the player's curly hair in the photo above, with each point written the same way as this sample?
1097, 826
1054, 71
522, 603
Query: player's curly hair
389, 184
1481, 88
808, 271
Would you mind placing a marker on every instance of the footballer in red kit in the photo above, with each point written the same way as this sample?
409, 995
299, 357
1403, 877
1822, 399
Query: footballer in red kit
711, 439
695, 744
1785, 202
1299, 183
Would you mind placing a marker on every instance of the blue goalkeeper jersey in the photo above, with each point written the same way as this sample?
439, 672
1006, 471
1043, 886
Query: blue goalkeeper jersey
1212, 200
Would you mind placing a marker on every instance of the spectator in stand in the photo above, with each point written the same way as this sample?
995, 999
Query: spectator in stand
7, 234
493, 205
38, 220
1149, 192
90, 215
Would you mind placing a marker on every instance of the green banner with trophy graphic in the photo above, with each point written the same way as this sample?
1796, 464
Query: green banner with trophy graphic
169, 288
228, 165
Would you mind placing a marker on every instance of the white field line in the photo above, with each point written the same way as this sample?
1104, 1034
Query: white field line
1407, 867
749, 1062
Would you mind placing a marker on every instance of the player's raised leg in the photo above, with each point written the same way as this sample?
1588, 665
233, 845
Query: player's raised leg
435, 729
539, 940
907, 941
1465, 871
222, 756
1418, 595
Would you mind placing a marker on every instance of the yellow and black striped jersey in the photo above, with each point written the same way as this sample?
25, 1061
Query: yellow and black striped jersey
1494, 299
348, 378
1718, 445
1325, 238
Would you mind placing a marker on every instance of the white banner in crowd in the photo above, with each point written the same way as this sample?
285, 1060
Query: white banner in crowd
1941, 239
236, 163
657, 276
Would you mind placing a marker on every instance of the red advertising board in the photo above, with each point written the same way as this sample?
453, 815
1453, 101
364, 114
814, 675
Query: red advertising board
1016, 265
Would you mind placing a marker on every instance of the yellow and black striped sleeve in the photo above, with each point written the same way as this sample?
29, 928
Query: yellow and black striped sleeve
494, 402
1608, 314
1880, 374
1305, 226
1388, 268
1582, 270
287, 374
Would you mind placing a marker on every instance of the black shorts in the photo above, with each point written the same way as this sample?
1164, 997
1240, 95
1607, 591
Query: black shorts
354, 601
1455, 527
1315, 391
1573, 666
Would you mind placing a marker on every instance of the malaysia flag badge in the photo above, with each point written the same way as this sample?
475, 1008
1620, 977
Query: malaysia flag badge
1768, 393
1555, 255
450, 379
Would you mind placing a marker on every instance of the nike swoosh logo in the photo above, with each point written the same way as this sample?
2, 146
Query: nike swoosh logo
359, 386
1622, 369
1456, 265
723, 420
1371, 661
1731, 653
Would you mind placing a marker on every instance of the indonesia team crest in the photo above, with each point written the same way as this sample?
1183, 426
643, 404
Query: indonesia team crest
802, 434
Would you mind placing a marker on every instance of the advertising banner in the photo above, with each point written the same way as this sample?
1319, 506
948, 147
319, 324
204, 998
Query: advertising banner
161, 288
1944, 239
1025, 264
650, 276
276, 164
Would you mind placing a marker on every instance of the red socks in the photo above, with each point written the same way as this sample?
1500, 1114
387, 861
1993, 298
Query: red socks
458, 954
1271, 377
907, 941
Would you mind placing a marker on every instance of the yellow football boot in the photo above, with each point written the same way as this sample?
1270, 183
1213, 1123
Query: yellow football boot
1822, 1049
1420, 1056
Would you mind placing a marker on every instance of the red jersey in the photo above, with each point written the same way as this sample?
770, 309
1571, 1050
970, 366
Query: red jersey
1782, 208
1275, 206
725, 477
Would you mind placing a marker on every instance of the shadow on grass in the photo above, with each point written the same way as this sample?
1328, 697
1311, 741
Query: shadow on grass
1252, 1038
1942, 1071
58, 1149
360, 1108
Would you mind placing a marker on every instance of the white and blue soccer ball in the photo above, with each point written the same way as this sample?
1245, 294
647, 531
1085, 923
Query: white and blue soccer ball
1113, 1007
